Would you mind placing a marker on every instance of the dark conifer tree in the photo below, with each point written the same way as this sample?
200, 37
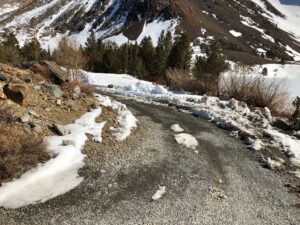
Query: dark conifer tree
32, 50
147, 54
181, 53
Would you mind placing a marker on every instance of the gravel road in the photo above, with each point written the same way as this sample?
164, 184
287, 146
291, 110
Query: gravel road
222, 184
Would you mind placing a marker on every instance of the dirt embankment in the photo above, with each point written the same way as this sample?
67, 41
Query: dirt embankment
33, 107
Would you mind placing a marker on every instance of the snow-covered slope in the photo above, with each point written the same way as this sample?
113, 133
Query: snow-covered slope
244, 27
291, 20
52, 19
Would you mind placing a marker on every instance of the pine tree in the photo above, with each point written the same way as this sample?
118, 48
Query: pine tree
181, 54
32, 50
91, 52
9, 49
124, 54
111, 59
136, 65
163, 50
147, 54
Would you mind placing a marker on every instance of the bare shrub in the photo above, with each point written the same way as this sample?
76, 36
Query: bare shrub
70, 55
20, 151
6, 114
183, 80
256, 91
68, 88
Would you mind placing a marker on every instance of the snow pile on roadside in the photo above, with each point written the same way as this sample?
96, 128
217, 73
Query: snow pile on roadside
187, 140
177, 128
126, 119
60, 174
291, 146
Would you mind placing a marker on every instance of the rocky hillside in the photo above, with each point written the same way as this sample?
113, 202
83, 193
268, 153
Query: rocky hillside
246, 28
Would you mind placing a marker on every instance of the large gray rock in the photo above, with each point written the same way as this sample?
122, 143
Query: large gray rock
25, 118
55, 90
60, 74
282, 124
296, 125
59, 129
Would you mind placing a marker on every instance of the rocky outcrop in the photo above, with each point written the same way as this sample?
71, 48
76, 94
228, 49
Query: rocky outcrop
57, 72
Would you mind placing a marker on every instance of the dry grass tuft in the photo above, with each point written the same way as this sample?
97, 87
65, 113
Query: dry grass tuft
68, 88
7, 114
183, 80
20, 151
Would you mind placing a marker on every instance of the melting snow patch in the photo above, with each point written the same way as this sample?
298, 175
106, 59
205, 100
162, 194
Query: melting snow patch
126, 119
235, 33
60, 174
255, 145
177, 128
290, 145
159, 193
187, 140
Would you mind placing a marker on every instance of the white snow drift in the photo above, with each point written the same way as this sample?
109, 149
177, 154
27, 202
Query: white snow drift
60, 174
126, 119
187, 140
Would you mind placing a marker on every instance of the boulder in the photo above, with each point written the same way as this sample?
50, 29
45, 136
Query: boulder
16, 92
282, 124
59, 129
25, 118
296, 125
60, 75
55, 90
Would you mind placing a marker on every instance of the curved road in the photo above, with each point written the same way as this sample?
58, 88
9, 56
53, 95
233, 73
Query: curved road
222, 184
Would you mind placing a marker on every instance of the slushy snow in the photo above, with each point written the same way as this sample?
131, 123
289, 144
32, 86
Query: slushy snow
125, 118
177, 128
187, 140
159, 193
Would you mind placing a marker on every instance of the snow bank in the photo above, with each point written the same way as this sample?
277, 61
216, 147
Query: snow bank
60, 174
187, 140
291, 146
125, 118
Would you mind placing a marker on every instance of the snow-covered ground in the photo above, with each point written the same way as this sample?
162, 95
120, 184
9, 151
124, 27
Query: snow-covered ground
231, 115
60, 174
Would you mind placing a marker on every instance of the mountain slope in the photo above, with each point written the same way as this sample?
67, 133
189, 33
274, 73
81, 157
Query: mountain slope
245, 28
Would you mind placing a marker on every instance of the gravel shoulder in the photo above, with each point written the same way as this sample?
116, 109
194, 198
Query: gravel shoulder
222, 184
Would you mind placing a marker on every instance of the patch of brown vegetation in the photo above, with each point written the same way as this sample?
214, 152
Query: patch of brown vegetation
68, 88
20, 151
